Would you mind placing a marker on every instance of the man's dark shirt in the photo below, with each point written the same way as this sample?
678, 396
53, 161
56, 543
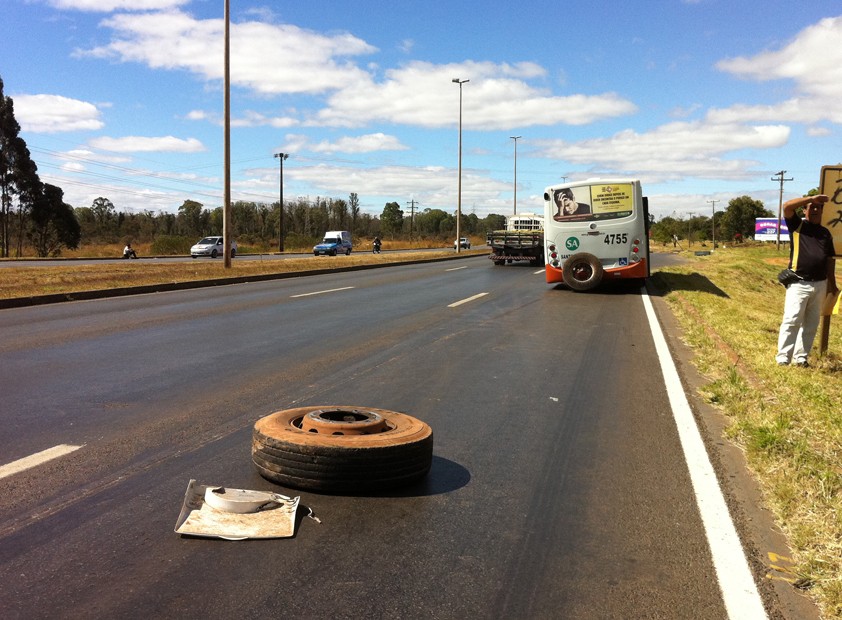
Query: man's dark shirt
811, 245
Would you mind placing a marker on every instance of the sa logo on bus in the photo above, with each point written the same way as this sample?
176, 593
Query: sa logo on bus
572, 243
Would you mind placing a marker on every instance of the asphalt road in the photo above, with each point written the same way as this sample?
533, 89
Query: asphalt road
558, 487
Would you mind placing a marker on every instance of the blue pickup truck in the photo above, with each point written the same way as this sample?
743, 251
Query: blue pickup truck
335, 242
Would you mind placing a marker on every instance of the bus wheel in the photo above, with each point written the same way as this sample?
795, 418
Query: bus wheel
582, 272
342, 449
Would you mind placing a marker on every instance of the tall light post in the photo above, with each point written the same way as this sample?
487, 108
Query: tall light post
226, 198
459, 196
515, 138
281, 157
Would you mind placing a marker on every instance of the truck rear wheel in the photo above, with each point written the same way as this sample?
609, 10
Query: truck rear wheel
342, 449
582, 271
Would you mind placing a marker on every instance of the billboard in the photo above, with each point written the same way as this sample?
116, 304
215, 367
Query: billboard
766, 229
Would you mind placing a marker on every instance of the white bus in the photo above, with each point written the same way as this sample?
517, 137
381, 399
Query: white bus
594, 230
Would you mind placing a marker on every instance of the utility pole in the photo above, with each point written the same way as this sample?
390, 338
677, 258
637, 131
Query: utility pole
689, 223
780, 177
713, 223
411, 216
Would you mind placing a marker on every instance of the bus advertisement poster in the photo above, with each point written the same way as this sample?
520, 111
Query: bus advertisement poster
614, 199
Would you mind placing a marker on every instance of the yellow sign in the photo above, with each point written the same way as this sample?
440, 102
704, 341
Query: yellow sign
831, 186
612, 198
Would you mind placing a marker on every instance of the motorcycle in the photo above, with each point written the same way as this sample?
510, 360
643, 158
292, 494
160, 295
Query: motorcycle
376, 248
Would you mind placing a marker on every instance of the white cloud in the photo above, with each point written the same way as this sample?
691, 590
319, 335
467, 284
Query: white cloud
265, 58
813, 60
671, 151
54, 114
497, 97
369, 143
107, 6
136, 144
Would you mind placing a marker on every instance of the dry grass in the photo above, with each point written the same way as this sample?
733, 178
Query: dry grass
28, 281
788, 420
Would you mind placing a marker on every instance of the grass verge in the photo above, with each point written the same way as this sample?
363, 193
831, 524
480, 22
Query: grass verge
786, 419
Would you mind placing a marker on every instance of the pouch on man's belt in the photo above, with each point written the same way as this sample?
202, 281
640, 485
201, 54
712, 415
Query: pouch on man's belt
788, 276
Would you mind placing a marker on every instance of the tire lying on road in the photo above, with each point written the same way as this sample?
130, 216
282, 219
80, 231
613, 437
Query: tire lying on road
582, 271
342, 449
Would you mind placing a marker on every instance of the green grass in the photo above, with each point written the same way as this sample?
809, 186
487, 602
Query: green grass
787, 420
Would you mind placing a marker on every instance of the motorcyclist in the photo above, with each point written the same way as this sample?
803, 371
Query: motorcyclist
376, 245
128, 252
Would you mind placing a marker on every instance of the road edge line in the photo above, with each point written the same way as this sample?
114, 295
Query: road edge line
736, 583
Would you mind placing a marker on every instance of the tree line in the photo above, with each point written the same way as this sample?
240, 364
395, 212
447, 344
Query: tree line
734, 224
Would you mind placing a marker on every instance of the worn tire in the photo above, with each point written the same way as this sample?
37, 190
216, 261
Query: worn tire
582, 271
285, 453
214, 254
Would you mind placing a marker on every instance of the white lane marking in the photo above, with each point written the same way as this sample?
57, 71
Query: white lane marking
28, 462
464, 301
739, 591
457, 268
332, 290
538, 273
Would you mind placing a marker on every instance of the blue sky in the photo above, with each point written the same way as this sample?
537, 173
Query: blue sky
703, 100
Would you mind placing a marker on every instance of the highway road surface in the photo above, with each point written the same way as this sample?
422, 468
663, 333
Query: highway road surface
559, 485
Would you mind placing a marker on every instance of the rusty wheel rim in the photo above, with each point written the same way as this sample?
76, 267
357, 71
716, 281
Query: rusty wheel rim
342, 421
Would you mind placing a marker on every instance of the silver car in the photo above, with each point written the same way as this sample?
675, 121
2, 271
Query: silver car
213, 247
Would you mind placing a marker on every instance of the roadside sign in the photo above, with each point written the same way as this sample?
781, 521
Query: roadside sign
766, 229
831, 185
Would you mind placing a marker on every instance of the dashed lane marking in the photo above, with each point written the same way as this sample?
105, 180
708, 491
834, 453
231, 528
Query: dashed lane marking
332, 290
464, 301
28, 462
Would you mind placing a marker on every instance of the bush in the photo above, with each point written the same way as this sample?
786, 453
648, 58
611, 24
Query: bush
172, 245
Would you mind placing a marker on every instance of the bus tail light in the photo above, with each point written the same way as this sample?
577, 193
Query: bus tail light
635, 251
553, 255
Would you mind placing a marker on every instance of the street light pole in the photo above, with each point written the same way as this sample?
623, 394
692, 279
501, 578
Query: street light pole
515, 138
459, 196
281, 157
226, 197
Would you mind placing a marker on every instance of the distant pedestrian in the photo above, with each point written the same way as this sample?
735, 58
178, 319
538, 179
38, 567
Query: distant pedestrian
128, 252
811, 257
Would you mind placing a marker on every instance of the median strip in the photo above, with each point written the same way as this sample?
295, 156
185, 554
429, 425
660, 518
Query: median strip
28, 462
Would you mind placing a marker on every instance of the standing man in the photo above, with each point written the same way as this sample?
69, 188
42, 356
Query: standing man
811, 255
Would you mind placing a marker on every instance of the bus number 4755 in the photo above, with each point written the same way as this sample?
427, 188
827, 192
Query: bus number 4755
612, 239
